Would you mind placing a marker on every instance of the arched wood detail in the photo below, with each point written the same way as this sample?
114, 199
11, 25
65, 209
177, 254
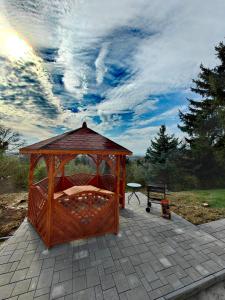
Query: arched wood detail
34, 159
64, 159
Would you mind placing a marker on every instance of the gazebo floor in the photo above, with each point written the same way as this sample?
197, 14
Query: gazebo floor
151, 258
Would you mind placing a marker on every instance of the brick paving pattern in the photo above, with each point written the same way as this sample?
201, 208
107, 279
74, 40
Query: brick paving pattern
150, 258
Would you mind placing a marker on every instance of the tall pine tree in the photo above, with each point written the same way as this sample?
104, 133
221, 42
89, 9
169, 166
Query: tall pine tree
162, 155
204, 123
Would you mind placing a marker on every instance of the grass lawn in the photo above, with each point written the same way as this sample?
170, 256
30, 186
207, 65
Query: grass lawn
189, 205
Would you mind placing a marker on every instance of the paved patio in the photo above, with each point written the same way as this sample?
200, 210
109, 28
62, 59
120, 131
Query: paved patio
151, 258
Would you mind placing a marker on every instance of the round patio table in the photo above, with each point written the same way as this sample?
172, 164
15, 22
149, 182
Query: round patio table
135, 187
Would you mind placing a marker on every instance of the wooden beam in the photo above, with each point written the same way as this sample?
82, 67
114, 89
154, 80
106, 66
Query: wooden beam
50, 206
117, 194
74, 151
123, 166
98, 162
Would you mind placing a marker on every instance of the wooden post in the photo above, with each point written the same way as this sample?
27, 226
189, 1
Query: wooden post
98, 161
51, 170
117, 193
30, 182
123, 180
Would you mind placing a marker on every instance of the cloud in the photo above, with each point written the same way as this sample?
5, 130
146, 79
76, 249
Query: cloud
100, 64
108, 62
171, 113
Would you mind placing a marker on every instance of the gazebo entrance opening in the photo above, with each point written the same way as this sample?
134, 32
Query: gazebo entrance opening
84, 187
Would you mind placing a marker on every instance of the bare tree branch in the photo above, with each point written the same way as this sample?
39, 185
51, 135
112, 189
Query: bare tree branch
10, 139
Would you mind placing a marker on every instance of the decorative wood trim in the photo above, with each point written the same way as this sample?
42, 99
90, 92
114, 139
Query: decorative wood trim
117, 194
50, 208
82, 151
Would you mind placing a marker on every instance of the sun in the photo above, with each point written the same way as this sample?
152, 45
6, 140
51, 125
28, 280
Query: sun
13, 46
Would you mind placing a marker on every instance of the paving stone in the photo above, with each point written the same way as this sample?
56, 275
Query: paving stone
45, 278
202, 270
137, 293
115, 252
5, 278
35, 269
6, 290
127, 266
111, 294
19, 275
186, 280
43, 291
79, 283
58, 291
107, 282
5, 268
102, 253
4, 259
98, 292
21, 287
17, 255
92, 277
174, 281
149, 259
48, 263
33, 283
65, 274
43, 297
14, 266
148, 272
165, 262
121, 282
146, 284
135, 259
123, 296
27, 296
85, 294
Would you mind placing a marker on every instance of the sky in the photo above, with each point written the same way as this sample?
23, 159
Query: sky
123, 66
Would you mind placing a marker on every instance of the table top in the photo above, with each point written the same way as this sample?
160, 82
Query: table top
133, 184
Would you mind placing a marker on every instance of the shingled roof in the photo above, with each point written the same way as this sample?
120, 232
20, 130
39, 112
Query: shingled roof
82, 140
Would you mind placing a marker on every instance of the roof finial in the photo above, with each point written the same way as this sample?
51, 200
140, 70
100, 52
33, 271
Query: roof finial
84, 125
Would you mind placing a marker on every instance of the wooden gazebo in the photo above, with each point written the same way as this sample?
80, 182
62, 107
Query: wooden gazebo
64, 208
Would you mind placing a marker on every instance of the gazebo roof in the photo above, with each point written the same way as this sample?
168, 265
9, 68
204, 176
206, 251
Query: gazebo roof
82, 140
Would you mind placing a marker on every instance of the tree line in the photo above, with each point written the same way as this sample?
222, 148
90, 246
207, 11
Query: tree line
199, 160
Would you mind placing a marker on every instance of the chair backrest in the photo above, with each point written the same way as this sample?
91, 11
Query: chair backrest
158, 189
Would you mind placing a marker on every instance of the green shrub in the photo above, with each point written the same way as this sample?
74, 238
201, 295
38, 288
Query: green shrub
136, 173
72, 168
17, 171
8, 165
20, 176
40, 172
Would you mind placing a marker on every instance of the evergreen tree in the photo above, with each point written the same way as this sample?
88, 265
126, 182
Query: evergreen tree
204, 123
162, 154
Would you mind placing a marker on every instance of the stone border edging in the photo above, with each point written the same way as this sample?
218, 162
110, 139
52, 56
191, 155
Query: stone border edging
196, 287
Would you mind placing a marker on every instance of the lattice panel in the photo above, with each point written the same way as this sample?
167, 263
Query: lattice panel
80, 179
85, 207
83, 215
37, 209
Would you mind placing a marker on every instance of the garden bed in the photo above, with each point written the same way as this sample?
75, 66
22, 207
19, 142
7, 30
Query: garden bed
189, 205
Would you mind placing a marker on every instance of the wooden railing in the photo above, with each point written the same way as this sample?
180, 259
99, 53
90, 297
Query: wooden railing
83, 215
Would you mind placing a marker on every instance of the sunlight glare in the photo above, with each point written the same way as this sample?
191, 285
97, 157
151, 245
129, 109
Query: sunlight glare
13, 46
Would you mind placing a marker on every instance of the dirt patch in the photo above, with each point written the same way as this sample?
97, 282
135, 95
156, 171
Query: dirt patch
13, 209
190, 206
193, 211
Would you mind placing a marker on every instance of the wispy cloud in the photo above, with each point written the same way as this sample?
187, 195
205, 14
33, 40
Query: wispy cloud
107, 62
